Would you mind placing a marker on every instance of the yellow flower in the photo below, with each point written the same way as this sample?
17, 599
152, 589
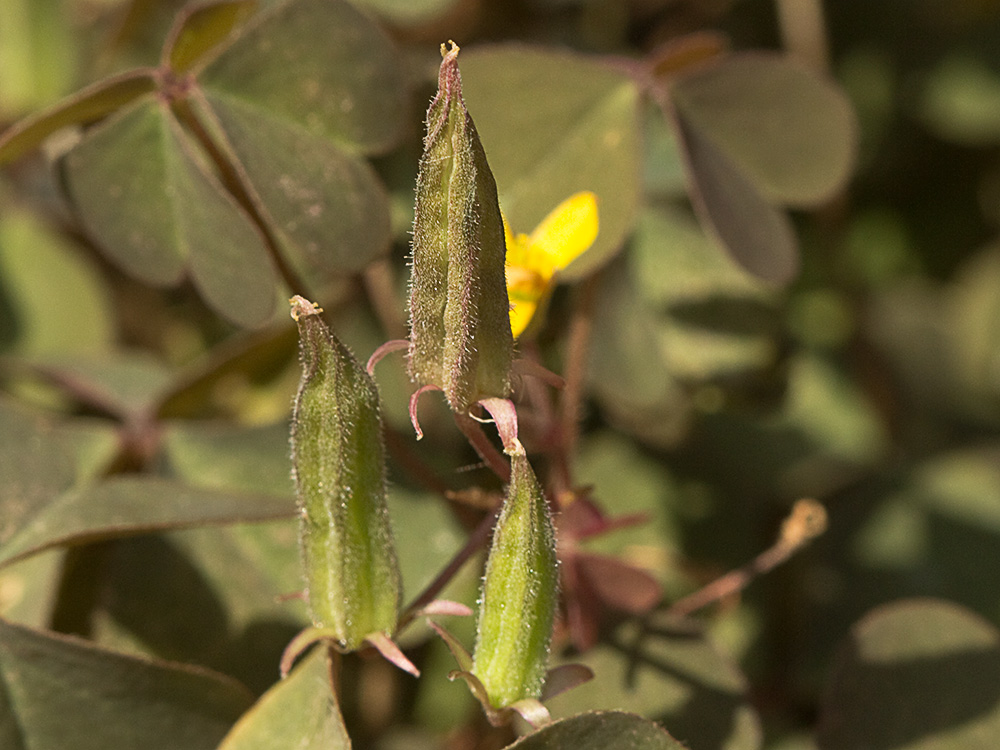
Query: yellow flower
533, 260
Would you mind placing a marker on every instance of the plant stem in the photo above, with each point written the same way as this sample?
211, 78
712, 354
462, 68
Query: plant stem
803, 32
476, 541
404, 455
473, 432
235, 180
577, 354
806, 521
333, 662
380, 286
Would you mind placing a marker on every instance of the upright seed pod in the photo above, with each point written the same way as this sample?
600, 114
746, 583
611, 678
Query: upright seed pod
520, 590
352, 575
460, 336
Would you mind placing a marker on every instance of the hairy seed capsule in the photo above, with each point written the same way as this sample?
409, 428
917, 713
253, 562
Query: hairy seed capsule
520, 590
460, 336
352, 575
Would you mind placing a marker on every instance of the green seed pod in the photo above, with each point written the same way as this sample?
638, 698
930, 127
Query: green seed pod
352, 575
460, 337
520, 590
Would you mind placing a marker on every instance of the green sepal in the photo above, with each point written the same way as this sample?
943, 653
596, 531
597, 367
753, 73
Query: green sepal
351, 570
519, 595
460, 336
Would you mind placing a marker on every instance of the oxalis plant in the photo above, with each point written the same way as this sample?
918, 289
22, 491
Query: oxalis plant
446, 522
461, 343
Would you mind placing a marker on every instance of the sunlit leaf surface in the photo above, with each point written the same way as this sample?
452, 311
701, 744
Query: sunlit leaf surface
916, 673
591, 731
301, 710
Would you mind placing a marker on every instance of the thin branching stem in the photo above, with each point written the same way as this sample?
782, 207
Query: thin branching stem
236, 181
380, 285
806, 521
803, 32
577, 354
473, 432
476, 541
333, 663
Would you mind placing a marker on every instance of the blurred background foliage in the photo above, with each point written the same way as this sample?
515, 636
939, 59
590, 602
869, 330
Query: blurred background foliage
784, 302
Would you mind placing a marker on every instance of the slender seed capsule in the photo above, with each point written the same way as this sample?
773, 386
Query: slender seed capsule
520, 591
352, 575
460, 336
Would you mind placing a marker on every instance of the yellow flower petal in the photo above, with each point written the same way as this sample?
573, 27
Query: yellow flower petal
565, 234
521, 313
508, 235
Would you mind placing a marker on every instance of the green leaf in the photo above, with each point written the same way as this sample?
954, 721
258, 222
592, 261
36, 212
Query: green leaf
38, 51
759, 237
40, 460
58, 301
972, 303
941, 342
224, 597
930, 536
324, 205
673, 677
241, 365
719, 321
961, 101
144, 194
230, 457
627, 371
293, 102
31, 589
918, 673
123, 200
792, 133
910, 328
129, 385
86, 105
600, 730
316, 65
301, 711
837, 416
408, 12
200, 28
554, 124
426, 536
627, 482
62, 692
675, 315
124, 506
663, 165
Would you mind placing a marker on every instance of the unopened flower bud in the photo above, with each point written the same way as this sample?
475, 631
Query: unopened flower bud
520, 591
352, 575
460, 335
